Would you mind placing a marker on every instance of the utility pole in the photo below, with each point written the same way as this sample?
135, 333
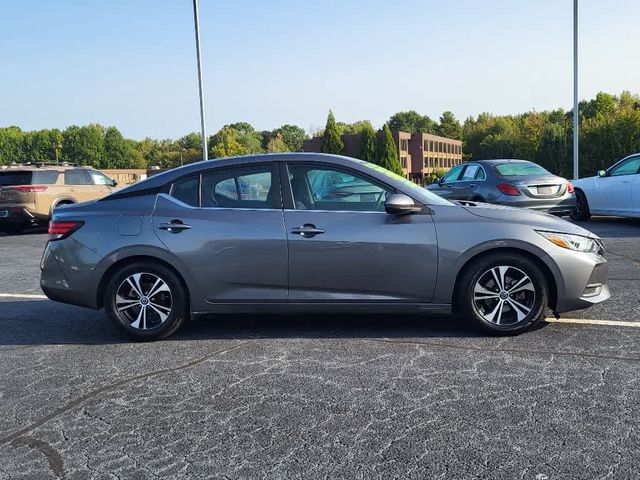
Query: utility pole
196, 21
576, 113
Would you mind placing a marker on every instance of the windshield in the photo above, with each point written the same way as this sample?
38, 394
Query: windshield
520, 169
428, 196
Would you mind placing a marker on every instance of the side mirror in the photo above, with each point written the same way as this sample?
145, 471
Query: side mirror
435, 181
114, 183
400, 204
602, 173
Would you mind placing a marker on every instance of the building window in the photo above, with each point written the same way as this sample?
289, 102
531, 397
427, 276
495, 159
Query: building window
431, 145
425, 145
403, 161
404, 144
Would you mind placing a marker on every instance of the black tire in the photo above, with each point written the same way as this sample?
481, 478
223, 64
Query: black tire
513, 317
582, 212
162, 320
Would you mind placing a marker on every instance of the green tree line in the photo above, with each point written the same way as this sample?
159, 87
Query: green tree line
609, 130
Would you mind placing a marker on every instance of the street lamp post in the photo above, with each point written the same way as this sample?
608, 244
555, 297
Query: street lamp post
196, 21
576, 113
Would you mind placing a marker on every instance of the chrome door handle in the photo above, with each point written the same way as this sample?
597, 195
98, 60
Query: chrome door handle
473, 185
307, 230
174, 227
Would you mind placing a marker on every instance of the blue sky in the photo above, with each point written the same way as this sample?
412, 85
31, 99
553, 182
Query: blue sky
131, 63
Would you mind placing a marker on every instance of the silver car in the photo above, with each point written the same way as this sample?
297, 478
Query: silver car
516, 183
319, 233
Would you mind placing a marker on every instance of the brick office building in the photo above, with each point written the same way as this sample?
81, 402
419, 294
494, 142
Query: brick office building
419, 153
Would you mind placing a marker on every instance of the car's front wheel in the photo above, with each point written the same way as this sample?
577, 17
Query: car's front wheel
146, 300
503, 294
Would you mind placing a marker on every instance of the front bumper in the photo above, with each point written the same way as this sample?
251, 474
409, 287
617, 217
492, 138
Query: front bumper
584, 280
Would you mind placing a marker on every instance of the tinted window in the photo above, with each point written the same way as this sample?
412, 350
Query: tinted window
45, 177
319, 188
453, 174
15, 178
243, 187
76, 177
520, 169
628, 167
187, 191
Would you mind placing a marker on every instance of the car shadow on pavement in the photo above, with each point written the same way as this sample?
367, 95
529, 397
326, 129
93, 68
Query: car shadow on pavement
612, 227
47, 323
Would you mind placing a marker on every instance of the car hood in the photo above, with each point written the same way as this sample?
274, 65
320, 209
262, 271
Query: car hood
537, 220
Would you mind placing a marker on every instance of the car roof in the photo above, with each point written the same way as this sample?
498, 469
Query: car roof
157, 182
497, 161
37, 168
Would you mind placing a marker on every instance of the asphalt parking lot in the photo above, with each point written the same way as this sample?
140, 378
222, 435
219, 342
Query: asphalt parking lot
319, 397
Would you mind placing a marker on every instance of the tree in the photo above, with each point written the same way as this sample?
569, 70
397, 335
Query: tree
411, 122
246, 136
225, 144
83, 145
277, 144
11, 145
331, 141
388, 151
449, 126
292, 135
367, 150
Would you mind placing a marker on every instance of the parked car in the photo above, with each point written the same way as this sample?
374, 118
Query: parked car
171, 247
516, 183
615, 191
30, 193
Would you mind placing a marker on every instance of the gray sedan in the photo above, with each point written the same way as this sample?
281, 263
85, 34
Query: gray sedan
319, 233
517, 183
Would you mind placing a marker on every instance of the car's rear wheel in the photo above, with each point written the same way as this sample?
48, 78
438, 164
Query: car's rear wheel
582, 212
146, 300
502, 294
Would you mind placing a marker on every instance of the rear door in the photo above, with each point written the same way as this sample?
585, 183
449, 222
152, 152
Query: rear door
343, 246
226, 227
466, 187
78, 184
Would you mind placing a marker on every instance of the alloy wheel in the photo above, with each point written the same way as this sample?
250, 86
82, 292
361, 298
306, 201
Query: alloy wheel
144, 301
504, 295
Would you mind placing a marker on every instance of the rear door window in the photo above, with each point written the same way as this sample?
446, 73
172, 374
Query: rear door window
45, 177
76, 177
186, 191
241, 187
473, 172
15, 178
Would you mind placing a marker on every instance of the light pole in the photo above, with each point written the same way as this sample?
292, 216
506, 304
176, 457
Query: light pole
181, 150
576, 113
196, 21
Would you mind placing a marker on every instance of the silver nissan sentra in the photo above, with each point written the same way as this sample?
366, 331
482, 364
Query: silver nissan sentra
312, 233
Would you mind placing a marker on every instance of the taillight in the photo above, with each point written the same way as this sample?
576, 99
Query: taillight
28, 188
570, 187
508, 189
62, 229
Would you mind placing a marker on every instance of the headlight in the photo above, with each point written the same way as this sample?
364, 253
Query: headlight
572, 242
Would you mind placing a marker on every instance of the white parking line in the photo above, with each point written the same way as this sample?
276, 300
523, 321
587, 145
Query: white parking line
587, 321
23, 295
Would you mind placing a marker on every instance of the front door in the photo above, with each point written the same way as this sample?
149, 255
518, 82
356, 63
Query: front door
613, 192
226, 228
343, 247
447, 185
